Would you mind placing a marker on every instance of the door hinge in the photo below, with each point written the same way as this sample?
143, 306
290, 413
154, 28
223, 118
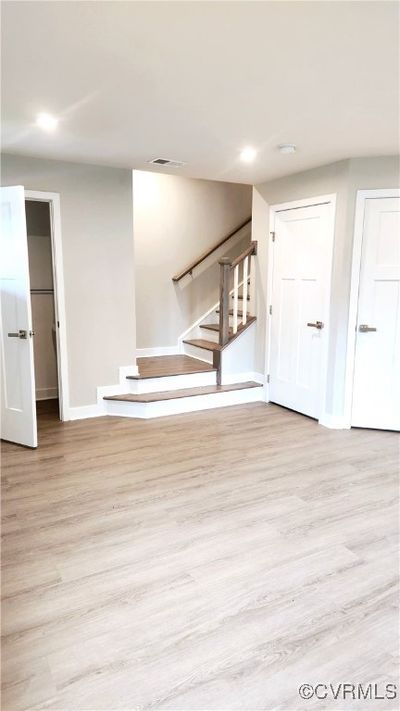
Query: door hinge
270, 309
273, 236
268, 377
58, 324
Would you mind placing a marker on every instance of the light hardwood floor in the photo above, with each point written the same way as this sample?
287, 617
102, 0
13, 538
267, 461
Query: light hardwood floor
215, 560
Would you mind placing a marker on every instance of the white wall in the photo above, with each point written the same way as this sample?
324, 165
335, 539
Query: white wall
343, 178
41, 277
97, 240
175, 220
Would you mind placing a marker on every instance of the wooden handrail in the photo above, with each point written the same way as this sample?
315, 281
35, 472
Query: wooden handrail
204, 255
247, 253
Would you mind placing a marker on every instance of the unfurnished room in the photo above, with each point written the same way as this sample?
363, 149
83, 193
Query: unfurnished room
200, 355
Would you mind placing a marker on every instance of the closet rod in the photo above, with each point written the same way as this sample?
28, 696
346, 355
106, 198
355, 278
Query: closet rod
42, 291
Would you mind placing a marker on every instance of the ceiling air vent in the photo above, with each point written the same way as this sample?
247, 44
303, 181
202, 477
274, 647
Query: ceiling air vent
167, 162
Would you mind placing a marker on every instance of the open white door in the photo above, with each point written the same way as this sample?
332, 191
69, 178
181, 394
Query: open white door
376, 393
18, 406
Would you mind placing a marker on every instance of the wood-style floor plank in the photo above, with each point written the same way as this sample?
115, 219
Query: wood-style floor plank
214, 560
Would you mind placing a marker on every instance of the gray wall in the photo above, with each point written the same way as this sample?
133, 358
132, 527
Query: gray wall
97, 240
343, 178
175, 220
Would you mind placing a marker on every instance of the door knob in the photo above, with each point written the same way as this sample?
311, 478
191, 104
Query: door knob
21, 334
318, 324
364, 328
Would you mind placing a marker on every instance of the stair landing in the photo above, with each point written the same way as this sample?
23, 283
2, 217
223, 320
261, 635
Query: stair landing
165, 366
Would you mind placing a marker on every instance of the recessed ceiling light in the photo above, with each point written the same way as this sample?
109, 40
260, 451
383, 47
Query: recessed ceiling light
287, 148
248, 154
47, 122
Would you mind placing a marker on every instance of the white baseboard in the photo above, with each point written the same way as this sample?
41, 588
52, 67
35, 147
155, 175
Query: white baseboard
86, 411
243, 378
159, 351
98, 409
46, 393
334, 422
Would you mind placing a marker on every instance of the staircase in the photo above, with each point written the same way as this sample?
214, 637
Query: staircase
208, 373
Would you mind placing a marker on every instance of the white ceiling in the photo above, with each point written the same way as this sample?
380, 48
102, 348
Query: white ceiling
198, 81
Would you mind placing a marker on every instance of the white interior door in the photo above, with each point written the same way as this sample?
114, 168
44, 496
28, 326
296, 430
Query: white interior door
376, 389
18, 407
302, 258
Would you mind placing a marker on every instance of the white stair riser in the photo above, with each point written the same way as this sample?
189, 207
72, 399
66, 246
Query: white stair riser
209, 335
196, 352
164, 408
173, 382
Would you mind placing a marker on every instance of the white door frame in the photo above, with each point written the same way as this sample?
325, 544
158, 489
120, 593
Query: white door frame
324, 418
59, 297
362, 197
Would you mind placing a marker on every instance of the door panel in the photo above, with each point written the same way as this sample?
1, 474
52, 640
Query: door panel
18, 407
300, 296
376, 390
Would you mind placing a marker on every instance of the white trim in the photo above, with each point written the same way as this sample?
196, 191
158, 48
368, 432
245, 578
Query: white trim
273, 209
86, 411
304, 202
46, 393
362, 197
159, 351
59, 296
250, 375
118, 388
197, 323
163, 408
334, 422
98, 409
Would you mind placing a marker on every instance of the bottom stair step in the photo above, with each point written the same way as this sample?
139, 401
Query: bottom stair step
186, 392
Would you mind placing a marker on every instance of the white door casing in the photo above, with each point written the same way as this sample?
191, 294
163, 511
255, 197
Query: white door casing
376, 384
59, 298
18, 406
300, 297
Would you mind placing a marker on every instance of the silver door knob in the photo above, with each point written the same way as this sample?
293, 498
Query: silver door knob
21, 334
364, 328
317, 324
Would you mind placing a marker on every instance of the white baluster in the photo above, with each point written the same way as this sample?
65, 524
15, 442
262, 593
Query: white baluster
245, 285
235, 298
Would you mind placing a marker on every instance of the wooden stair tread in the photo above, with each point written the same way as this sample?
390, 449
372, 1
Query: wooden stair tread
240, 297
169, 365
215, 326
210, 326
203, 343
186, 392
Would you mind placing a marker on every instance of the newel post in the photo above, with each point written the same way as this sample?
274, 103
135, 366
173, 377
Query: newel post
225, 269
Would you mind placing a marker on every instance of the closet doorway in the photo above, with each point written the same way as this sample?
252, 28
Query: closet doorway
46, 289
